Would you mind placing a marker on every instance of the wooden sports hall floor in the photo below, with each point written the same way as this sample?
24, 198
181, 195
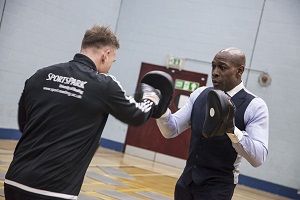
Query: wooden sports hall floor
113, 175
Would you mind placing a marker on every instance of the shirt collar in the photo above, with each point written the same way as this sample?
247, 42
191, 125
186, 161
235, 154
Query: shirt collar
236, 89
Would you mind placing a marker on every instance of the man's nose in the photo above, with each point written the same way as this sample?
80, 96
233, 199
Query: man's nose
215, 72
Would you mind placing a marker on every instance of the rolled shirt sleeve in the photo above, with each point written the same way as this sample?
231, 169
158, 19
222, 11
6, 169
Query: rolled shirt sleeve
252, 143
171, 125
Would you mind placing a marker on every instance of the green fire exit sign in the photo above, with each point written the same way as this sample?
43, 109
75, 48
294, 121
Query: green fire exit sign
186, 85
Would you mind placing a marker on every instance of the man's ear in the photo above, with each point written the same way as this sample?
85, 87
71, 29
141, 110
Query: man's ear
240, 70
103, 56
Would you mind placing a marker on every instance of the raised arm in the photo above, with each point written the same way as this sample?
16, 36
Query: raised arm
252, 144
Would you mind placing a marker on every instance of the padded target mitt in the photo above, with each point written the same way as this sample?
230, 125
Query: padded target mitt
218, 109
163, 82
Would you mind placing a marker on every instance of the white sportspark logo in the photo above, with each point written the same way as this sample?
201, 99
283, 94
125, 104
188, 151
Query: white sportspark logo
66, 80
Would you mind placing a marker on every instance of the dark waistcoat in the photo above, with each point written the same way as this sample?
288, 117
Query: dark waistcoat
212, 159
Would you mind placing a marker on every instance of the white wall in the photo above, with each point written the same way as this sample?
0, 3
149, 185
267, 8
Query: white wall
36, 33
277, 52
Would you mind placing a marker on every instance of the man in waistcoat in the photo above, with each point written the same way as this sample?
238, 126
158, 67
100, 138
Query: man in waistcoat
212, 167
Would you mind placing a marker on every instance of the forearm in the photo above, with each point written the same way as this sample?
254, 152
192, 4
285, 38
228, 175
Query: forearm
252, 150
166, 127
171, 125
133, 113
252, 143
125, 108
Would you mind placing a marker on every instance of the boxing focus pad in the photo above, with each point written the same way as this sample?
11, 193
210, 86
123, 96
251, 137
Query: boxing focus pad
163, 82
219, 112
145, 91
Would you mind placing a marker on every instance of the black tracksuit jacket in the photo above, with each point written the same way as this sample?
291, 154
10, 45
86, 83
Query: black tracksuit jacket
62, 112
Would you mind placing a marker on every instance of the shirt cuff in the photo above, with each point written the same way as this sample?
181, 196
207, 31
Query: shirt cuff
237, 136
165, 114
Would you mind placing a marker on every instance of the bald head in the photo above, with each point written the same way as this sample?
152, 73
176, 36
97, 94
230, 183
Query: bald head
234, 55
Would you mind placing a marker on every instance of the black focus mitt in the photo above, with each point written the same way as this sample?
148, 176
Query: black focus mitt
219, 116
163, 82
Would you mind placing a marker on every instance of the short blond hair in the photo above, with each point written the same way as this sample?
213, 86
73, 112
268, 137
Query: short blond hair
99, 37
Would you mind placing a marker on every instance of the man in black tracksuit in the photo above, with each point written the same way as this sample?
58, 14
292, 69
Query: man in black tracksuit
62, 113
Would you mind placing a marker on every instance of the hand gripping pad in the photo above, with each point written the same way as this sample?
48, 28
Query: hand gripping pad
164, 83
217, 112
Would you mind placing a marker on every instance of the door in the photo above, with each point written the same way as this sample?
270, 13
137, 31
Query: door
148, 135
